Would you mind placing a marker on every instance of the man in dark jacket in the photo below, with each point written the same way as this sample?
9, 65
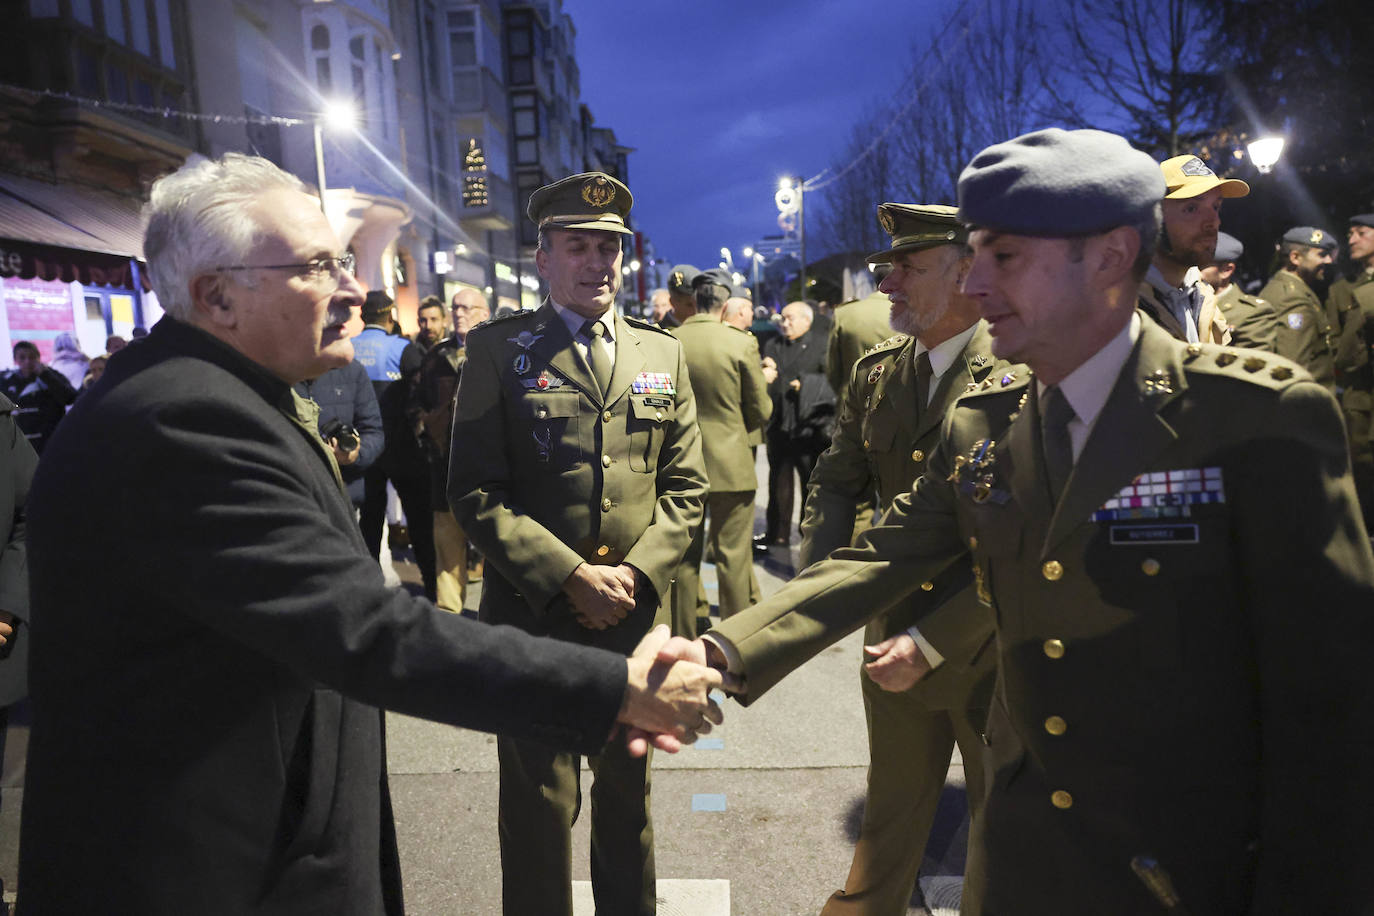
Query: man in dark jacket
205, 737
803, 411
41, 393
346, 399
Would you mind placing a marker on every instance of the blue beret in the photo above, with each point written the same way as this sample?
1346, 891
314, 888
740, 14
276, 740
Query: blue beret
1311, 237
1059, 183
1362, 219
1229, 248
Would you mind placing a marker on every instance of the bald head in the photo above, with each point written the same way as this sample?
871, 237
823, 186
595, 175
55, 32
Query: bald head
737, 311
469, 310
662, 304
796, 319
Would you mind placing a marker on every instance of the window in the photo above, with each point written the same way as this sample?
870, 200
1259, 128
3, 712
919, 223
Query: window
81, 10
526, 152
138, 21
358, 66
94, 309
87, 70
116, 84
165, 47
467, 87
319, 45
114, 20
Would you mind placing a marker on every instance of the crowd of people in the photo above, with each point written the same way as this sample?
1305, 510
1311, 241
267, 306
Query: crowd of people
1100, 511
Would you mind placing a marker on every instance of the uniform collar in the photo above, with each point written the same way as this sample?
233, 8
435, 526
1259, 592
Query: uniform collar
573, 321
944, 354
1088, 387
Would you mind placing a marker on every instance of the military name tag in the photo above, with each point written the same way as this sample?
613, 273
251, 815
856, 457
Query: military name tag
1129, 535
658, 401
1164, 494
653, 383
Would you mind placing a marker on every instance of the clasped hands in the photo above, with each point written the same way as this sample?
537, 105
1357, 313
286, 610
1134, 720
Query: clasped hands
601, 596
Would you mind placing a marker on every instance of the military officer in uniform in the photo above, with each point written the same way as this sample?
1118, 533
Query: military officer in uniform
891, 409
576, 469
681, 298
733, 407
1253, 323
1304, 334
1172, 293
859, 326
1146, 517
1352, 298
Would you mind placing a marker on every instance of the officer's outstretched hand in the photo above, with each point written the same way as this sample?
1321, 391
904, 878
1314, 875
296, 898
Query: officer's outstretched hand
601, 596
667, 703
897, 663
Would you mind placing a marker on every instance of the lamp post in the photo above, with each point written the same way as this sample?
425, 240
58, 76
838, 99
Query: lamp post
755, 260
791, 198
336, 115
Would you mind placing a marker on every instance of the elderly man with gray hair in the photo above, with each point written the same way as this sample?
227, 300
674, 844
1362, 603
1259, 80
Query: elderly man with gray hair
206, 737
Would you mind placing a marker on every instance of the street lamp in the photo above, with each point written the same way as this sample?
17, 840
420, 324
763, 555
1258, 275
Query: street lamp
1265, 152
755, 259
728, 260
791, 198
337, 115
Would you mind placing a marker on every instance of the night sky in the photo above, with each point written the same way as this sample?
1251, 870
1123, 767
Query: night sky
720, 99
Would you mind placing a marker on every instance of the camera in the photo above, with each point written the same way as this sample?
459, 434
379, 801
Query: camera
346, 436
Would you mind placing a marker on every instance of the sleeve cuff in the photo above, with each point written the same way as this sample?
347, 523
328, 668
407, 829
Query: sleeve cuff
932, 654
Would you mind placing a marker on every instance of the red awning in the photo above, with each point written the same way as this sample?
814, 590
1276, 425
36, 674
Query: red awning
68, 232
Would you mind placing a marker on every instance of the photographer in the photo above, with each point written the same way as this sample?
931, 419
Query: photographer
350, 421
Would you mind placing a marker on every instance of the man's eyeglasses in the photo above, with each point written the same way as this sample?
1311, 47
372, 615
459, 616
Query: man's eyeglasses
316, 270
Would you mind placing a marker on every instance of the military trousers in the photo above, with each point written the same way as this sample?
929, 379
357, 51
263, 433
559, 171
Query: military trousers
450, 562
540, 799
729, 529
910, 745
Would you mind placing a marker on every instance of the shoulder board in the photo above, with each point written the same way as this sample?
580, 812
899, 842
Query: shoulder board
893, 341
640, 324
846, 302
1009, 379
518, 313
1253, 366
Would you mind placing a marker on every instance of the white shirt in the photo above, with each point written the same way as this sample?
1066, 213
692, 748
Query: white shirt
1184, 301
574, 323
943, 356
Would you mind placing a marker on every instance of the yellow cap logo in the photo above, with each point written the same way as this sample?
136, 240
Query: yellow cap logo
1317, 236
885, 220
598, 192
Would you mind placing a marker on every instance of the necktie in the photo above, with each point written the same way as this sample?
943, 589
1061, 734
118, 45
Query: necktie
598, 359
923, 376
1055, 414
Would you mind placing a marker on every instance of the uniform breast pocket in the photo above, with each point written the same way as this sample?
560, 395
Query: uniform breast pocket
648, 423
880, 429
553, 434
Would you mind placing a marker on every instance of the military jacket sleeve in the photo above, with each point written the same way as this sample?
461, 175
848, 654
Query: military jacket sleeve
755, 403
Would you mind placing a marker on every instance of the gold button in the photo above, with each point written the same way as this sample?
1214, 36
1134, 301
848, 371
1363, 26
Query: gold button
1149, 566
1054, 648
1056, 726
1061, 799
918, 455
605, 461
1052, 570
927, 586
972, 543
658, 415
606, 504
602, 550
865, 443
606, 416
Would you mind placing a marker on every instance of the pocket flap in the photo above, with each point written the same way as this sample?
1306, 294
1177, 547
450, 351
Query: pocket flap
654, 409
552, 404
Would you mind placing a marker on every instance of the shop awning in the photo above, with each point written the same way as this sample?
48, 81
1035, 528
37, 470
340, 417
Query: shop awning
68, 232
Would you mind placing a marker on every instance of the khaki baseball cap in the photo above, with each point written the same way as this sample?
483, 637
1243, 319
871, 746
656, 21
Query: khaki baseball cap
1188, 176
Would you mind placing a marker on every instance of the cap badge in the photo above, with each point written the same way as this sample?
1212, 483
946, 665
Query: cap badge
885, 220
598, 192
1194, 168
678, 279
1316, 236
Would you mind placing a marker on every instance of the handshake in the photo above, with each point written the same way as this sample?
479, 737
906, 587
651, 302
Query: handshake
667, 697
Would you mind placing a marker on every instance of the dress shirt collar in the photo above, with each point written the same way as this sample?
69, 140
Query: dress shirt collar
574, 322
944, 354
1088, 387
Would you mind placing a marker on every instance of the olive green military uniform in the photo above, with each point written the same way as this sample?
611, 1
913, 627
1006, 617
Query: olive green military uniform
1354, 299
1303, 332
1183, 638
550, 469
883, 438
859, 326
1253, 322
732, 405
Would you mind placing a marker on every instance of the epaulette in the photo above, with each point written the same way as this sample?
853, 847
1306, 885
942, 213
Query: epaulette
642, 324
894, 340
497, 319
1013, 378
1253, 366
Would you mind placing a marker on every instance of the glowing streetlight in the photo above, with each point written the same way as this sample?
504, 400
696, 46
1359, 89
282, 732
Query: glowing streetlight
337, 115
726, 259
1265, 152
635, 265
791, 198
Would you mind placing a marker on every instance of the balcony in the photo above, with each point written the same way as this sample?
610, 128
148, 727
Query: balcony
498, 215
